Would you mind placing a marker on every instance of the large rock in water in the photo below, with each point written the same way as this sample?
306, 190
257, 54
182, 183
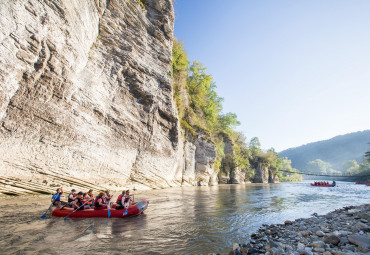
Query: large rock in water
86, 92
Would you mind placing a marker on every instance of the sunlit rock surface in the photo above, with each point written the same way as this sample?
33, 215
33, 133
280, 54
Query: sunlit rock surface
86, 94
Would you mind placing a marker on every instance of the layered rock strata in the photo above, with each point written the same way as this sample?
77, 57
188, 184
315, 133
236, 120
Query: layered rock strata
86, 95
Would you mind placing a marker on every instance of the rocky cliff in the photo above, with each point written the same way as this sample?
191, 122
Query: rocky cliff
86, 98
264, 174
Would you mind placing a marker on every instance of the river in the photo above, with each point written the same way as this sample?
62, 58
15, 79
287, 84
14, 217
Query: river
188, 220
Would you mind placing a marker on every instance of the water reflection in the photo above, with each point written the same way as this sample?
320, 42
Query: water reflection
189, 220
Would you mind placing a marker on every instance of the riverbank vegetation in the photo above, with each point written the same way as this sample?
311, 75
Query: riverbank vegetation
201, 114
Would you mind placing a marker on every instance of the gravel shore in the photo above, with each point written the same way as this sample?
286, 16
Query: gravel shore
343, 231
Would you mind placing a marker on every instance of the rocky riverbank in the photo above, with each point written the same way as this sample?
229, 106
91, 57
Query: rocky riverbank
343, 231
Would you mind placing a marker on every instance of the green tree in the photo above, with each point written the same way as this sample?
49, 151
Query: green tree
350, 167
255, 147
228, 122
318, 166
204, 100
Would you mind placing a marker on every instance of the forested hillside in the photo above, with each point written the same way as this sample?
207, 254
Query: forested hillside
332, 154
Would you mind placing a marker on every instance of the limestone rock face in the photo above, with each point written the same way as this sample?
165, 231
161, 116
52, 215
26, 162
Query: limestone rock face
86, 92
205, 156
264, 175
261, 174
273, 178
237, 176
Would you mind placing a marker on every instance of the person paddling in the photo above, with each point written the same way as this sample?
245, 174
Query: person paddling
119, 202
99, 202
127, 202
90, 193
56, 198
78, 203
85, 199
107, 198
71, 197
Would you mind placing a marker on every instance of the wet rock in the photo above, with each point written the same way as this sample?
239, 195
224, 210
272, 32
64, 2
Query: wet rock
300, 246
320, 233
361, 241
288, 222
364, 221
244, 250
236, 246
331, 239
337, 253
318, 244
317, 249
277, 251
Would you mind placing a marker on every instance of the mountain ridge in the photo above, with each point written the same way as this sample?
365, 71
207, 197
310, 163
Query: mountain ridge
336, 150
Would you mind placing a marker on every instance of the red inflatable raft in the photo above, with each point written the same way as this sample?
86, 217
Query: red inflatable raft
133, 210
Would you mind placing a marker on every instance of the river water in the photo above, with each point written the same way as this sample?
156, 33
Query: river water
188, 220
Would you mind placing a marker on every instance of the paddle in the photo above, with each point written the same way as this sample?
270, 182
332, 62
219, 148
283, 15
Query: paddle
108, 208
44, 215
74, 211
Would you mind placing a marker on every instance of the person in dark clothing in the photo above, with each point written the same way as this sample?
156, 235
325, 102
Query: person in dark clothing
78, 203
71, 197
120, 200
99, 202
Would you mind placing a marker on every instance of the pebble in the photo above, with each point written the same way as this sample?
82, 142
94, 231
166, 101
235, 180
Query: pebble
319, 244
341, 232
318, 249
331, 239
320, 233
361, 241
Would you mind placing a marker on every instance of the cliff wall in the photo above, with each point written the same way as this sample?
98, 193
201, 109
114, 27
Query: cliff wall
86, 98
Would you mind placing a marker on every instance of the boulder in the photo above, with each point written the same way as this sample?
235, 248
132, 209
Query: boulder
331, 239
361, 241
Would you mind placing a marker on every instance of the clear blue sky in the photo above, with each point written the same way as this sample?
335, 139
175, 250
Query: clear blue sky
293, 71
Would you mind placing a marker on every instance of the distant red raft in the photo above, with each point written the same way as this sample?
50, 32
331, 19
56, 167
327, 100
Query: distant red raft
363, 182
133, 210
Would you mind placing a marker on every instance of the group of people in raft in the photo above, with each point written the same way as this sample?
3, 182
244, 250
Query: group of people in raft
87, 200
323, 183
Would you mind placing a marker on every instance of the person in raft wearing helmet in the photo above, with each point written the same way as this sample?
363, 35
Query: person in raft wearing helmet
78, 202
120, 200
71, 197
99, 202
56, 198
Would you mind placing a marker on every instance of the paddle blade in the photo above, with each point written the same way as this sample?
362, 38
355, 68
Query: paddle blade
108, 213
43, 216
125, 212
